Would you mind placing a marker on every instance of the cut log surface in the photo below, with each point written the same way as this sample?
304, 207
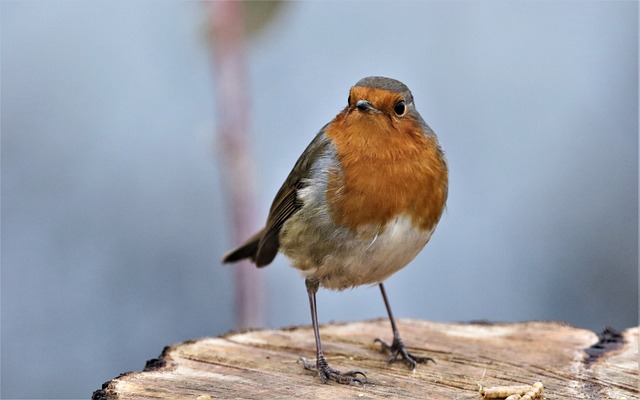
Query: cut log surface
571, 363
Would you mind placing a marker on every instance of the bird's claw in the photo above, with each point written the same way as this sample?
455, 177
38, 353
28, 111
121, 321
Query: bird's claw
398, 348
326, 373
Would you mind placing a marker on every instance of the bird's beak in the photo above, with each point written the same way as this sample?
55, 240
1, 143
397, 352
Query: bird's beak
366, 106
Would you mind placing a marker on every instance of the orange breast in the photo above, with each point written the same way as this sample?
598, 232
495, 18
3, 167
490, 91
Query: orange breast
389, 168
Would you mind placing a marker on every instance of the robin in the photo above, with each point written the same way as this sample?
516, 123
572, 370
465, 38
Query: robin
360, 203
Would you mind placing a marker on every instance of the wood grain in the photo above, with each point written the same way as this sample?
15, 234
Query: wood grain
264, 363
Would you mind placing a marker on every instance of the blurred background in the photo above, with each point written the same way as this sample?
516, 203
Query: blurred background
114, 212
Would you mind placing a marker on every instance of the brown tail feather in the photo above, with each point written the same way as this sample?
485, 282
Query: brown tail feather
248, 249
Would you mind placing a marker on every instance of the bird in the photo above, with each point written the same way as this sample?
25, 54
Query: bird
360, 203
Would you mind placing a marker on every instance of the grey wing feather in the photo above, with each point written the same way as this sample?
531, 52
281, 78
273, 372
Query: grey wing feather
263, 247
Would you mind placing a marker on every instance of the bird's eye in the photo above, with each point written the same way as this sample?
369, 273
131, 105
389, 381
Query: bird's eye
400, 108
349, 100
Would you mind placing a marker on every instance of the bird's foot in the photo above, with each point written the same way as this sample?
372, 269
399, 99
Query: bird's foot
325, 372
398, 348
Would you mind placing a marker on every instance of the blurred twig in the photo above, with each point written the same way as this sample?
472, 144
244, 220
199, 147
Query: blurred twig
228, 46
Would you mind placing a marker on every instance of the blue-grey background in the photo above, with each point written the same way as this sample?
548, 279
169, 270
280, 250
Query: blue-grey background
113, 220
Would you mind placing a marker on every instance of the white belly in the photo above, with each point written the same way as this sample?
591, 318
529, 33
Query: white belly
369, 257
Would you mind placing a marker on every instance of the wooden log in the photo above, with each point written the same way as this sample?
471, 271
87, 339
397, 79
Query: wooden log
571, 363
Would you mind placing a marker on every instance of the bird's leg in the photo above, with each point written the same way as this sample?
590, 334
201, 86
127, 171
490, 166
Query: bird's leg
397, 347
324, 371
